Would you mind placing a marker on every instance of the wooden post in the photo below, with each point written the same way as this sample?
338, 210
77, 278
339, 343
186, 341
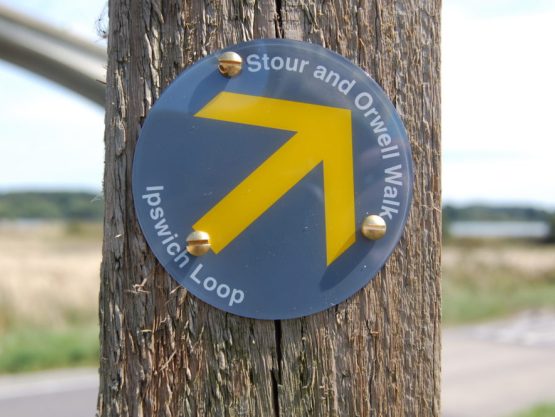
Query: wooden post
163, 352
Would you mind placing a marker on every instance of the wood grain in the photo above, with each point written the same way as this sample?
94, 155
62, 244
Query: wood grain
163, 352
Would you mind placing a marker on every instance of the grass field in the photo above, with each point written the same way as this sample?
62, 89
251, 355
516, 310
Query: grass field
545, 410
50, 279
486, 279
48, 295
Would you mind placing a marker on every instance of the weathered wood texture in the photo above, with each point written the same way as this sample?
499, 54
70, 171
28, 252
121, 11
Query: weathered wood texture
163, 352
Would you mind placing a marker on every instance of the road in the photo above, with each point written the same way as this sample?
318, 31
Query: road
488, 371
68, 393
498, 368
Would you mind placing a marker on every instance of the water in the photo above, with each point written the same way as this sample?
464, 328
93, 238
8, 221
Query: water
513, 229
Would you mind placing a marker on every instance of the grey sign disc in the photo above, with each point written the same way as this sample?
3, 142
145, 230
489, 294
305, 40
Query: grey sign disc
279, 165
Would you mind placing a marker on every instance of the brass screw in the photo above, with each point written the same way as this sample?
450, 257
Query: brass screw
373, 227
230, 64
198, 243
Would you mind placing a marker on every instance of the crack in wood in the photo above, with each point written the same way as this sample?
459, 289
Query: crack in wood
276, 379
279, 19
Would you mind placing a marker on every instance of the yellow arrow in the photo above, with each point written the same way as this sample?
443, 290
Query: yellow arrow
323, 134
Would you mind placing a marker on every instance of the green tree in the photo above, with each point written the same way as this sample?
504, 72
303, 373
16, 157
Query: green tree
551, 233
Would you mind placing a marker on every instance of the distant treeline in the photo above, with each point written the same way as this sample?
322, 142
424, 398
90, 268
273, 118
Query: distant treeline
88, 206
51, 206
489, 213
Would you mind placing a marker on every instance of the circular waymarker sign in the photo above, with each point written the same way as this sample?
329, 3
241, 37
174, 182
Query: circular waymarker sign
292, 166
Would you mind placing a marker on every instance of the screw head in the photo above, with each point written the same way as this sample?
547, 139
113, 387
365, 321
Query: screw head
373, 227
198, 243
230, 64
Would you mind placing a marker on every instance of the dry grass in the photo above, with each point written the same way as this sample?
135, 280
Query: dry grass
487, 279
49, 284
49, 273
531, 261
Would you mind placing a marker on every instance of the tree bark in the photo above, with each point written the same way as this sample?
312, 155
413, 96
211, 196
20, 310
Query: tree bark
165, 353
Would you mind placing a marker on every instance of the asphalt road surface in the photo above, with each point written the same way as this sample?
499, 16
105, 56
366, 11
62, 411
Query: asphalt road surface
488, 371
70, 393
499, 368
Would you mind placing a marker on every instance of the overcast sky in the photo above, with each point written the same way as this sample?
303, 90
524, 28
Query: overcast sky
498, 86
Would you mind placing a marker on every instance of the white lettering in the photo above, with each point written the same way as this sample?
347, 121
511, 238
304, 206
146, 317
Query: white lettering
193, 275
388, 211
371, 111
152, 199
388, 152
173, 249
391, 155
345, 86
156, 213
182, 255
320, 72
359, 100
265, 60
162, 228
169, 239
393, 175
253, 63
335, 77
277, 63
209, 284
392, 203
223, 291
378, 124
390, 192
237, 297
384, 140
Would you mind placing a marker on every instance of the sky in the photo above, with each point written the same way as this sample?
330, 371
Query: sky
498, 85
498, 141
